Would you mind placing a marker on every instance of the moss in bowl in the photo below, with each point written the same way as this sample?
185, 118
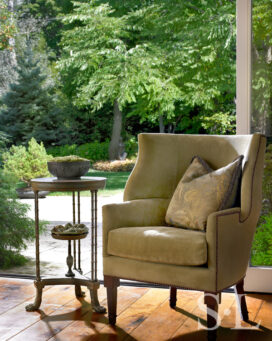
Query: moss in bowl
68, 167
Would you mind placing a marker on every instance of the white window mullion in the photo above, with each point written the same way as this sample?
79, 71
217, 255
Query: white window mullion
243, 66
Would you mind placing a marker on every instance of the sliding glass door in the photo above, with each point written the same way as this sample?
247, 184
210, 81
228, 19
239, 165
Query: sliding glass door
255, 97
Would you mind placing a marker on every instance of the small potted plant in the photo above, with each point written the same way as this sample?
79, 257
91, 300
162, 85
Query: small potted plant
68, 167
27, 163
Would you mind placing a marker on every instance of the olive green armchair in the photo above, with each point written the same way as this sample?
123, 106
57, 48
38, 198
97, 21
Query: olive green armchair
138, 244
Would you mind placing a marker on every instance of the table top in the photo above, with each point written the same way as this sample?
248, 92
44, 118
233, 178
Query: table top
84, 183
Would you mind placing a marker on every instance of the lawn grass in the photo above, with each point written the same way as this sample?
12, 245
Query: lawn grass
115, 184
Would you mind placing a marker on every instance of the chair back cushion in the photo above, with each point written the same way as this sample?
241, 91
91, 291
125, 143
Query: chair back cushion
202, 191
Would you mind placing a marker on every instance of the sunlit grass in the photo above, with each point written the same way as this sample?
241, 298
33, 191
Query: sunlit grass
115, 183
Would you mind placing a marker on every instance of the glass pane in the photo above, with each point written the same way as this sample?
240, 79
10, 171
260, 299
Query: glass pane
170, 64
261, 121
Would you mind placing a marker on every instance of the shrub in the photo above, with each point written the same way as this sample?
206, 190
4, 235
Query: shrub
27, 163
15, 227
267, 178
93, 151
262, 244
115, 166
131, 147
62, 150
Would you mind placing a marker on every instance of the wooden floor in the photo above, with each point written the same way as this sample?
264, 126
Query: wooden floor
143, 314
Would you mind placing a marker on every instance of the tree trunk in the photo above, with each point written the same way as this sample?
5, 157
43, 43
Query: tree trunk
161, 124
116, 133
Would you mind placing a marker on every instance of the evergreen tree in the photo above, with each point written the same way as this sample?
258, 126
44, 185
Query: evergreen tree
29, 107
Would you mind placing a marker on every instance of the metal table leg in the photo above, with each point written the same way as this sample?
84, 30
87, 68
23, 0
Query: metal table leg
93, 291
38, 283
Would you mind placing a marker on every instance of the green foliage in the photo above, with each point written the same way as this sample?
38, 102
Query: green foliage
97, 64
198, 57
44, 10
3, 142
92, 151
7, 27
131, 147
267, 178
62, 150
86, 126
30, 108
144, 54
261, 66
27, 163
219, 123
15, 227
262, 244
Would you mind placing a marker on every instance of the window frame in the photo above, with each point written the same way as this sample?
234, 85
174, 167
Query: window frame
258, 279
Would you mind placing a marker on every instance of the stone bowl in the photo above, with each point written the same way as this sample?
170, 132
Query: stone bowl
68, 170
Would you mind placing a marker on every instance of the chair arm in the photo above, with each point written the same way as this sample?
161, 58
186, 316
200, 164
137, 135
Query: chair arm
229, 242
142, 212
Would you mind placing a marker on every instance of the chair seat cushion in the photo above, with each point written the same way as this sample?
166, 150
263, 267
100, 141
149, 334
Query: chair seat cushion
159, 244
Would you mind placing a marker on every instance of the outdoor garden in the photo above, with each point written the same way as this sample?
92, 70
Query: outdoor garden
84, 78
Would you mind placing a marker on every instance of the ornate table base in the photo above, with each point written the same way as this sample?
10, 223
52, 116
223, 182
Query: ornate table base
72, 278
77, 281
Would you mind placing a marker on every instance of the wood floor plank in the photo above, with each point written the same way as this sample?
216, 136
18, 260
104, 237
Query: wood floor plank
193, 327
165, 321
247, 331
232, 317
264, 316
14, 292
143, 314
92, 325
132, 317
53, 298
50, 324
57, 320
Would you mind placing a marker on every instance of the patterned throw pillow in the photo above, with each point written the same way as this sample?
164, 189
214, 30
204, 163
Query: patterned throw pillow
202, 191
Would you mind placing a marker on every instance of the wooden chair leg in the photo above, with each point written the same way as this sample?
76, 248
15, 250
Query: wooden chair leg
111, 283
212, 300
241, 300
173, 297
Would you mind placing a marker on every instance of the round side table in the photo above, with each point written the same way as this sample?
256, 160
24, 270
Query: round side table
92, 184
